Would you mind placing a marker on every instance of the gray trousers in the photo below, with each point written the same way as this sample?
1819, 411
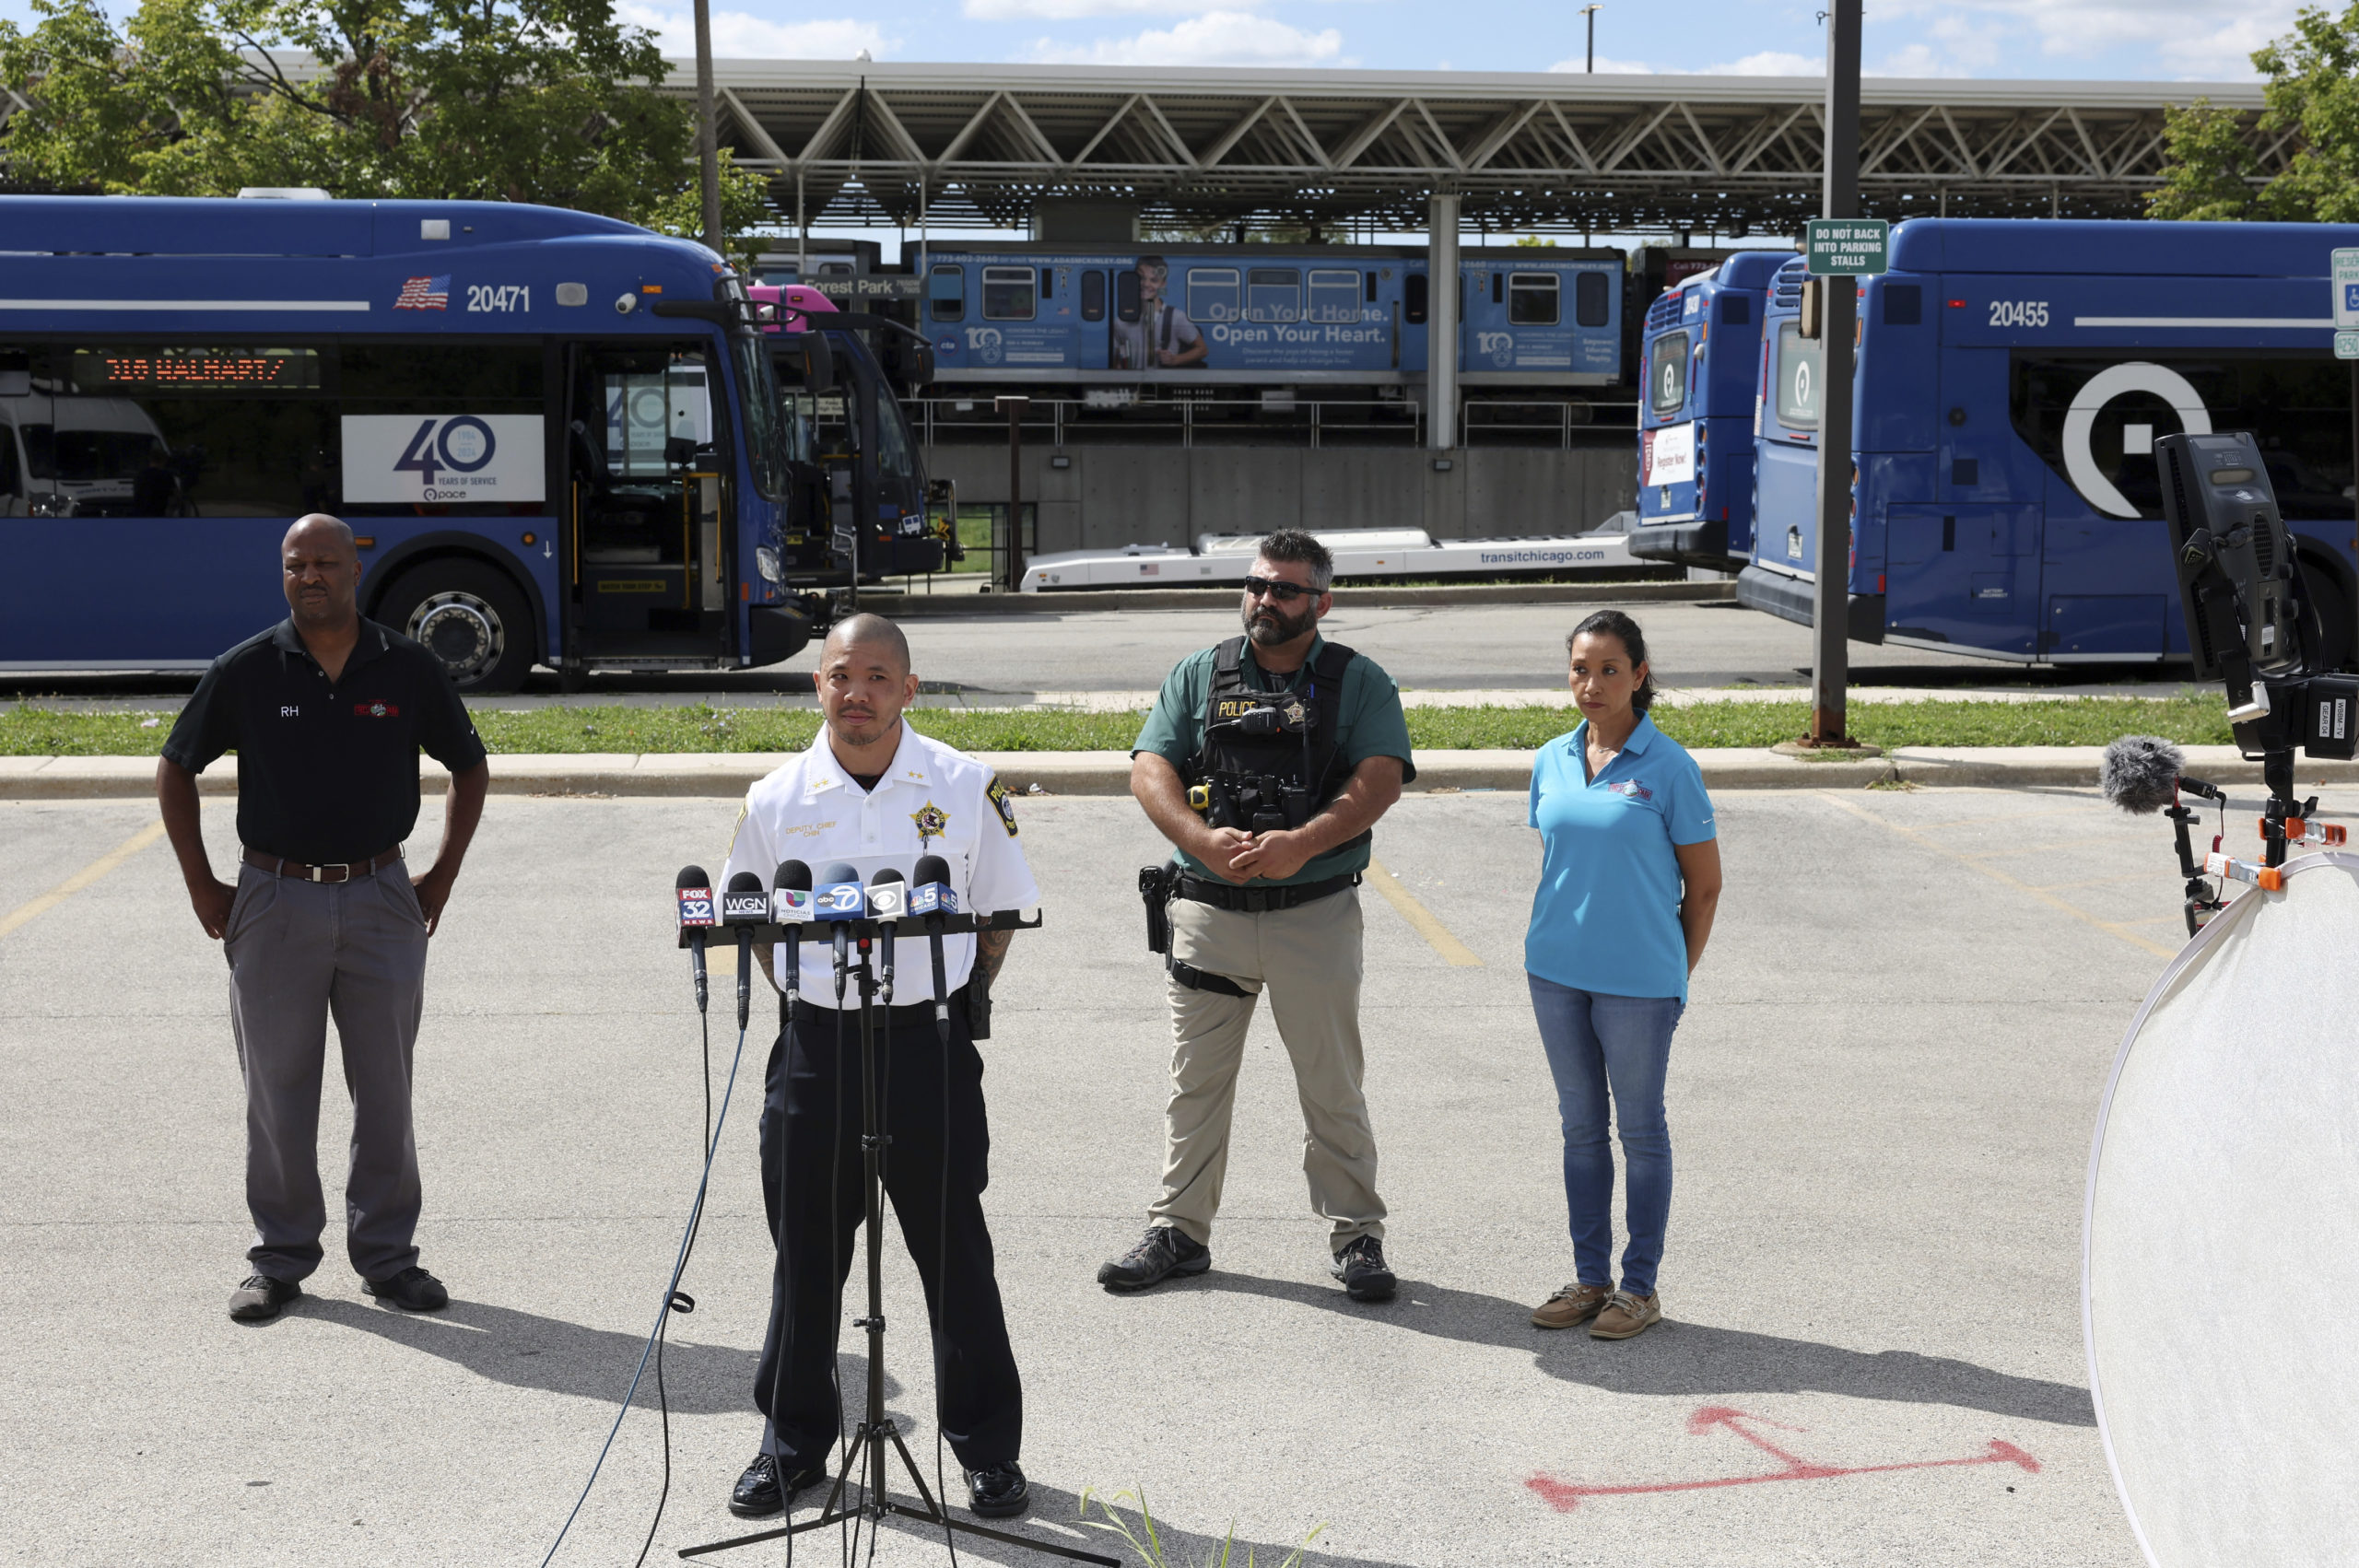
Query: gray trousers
1308, 960
299, 951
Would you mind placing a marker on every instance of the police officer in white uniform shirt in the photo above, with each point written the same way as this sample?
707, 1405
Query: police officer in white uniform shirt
873, 793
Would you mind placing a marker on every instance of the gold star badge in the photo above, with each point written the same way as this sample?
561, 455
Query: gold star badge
932, 821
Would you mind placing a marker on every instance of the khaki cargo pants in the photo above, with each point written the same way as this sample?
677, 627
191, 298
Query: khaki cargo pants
1308, 960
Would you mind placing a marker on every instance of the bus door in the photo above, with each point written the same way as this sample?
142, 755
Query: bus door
649, 488
875, 486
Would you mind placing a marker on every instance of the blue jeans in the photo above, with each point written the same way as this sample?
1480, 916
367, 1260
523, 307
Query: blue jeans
1594, 1041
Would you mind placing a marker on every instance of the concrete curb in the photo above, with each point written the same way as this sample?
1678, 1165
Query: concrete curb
1079, 600
729, 774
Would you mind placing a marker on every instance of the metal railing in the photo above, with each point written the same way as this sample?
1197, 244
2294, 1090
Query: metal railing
1191, 421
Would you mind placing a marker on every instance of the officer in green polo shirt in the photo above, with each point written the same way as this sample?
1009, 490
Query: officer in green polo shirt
1266, 762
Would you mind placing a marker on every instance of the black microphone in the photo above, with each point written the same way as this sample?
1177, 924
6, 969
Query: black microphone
932, 898
743, 906
790, 907
692, 894
888, 901
2140, 774
839, 900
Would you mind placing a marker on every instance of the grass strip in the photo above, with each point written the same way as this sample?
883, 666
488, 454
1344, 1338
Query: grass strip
2191, 719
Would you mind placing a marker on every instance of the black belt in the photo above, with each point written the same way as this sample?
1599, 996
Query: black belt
348, 871
1260, 900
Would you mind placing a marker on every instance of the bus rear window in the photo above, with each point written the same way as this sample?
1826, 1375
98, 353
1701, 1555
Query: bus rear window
947, 293
1667, 373
1592, 299
1008, 292
1531, 299
1796, 373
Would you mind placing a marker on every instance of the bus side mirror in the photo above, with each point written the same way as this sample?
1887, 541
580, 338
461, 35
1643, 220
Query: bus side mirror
911, 363
1813, 307
809, 361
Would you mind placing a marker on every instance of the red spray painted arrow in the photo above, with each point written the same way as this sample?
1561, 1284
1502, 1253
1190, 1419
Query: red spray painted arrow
1565, 1496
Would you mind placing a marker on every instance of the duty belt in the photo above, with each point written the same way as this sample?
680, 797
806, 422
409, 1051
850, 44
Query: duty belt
1260, 900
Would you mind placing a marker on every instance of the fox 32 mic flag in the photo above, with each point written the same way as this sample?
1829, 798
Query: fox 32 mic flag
2220, 1262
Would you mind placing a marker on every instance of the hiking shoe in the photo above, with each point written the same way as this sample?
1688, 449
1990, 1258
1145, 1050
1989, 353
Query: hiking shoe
262, 1298
412, 1290
1571, 1306
1163, 1252
999, 1491
1626, 1316
757, 1493
1361, 1268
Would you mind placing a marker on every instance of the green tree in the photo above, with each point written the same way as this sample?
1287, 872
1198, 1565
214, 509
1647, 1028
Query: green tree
745, 214
2208, 165
520, 100
2211, 167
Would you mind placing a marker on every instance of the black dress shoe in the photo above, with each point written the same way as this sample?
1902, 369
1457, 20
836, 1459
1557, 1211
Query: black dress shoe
1361, 1268
1163, 1251
998, 1492
412, 1290
758, 1495
262, 1298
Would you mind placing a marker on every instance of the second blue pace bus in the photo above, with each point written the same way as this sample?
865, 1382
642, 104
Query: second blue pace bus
2013, 379
1698, 362
559, 438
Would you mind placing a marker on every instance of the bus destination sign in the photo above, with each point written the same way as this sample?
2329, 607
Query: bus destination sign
1847, 247
196, 369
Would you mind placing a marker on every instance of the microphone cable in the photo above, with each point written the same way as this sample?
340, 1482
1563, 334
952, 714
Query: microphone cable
677, 1301
672, 1296
941, 1271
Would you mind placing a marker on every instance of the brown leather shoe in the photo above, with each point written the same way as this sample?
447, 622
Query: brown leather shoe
1626, 1316
1569, 1307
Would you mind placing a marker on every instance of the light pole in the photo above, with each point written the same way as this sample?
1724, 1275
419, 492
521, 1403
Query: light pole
1589, 62
707, 140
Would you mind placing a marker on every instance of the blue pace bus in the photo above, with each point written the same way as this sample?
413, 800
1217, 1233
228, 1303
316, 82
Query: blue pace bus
1267, 315
558, 436
2014, 376
1698, 364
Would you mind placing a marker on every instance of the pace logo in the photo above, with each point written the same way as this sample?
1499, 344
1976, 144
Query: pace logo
1497, 346
987, 344
2137, 440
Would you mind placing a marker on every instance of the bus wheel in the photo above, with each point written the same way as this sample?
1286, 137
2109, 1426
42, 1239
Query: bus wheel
470, 616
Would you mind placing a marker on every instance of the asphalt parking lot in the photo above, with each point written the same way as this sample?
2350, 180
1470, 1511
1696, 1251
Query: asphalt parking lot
997, 660
1880, 1101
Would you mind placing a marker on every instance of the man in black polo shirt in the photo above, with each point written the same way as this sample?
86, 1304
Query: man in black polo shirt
327, 712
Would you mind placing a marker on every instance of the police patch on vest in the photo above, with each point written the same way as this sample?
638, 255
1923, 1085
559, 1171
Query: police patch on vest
1006, 807
1228, 710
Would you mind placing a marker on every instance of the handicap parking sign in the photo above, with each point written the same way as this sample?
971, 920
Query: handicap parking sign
2344, 271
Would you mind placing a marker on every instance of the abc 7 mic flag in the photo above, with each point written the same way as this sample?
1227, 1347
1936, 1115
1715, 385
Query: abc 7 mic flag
2221, 1252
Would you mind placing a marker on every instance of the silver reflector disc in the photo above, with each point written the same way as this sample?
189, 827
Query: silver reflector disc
2220, 1262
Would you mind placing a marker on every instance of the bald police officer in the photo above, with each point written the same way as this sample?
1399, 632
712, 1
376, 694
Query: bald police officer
327, 712
873, 792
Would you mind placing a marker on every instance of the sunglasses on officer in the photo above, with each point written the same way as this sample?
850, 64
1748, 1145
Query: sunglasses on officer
1271, 588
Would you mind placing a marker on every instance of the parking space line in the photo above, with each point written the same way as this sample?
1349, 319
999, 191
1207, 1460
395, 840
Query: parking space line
83, 878
1454, 953
2111, 927
2037, 848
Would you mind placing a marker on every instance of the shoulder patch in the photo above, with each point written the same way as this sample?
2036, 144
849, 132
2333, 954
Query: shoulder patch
1003, 804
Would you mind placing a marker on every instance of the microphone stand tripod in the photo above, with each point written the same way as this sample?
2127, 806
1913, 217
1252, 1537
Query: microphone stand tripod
878, 1432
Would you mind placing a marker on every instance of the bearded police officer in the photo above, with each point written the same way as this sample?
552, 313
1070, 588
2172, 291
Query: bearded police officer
327, 712
1266, 762
873, 793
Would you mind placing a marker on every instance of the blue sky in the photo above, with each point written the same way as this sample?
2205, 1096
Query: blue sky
2150, 39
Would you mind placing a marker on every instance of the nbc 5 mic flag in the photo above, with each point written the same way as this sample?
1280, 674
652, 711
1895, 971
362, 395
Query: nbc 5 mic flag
425, 294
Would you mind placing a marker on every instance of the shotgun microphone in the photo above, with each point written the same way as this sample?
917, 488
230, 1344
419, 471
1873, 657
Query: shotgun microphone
791, 909
932, 898
692, 897
888, 901
839, 900
744, 905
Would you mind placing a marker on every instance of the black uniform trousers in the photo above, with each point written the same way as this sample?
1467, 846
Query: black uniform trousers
813, 1115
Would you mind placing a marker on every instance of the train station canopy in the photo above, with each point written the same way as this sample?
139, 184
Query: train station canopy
966, 146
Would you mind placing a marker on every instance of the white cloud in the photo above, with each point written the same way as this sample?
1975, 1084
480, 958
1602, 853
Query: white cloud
2193, 37
1217, 38
1069, 10
739, 35
1770, 63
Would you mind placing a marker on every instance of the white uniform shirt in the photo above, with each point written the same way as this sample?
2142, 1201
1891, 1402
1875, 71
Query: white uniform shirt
931, 800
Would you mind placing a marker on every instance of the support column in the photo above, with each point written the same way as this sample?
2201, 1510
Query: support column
1830, 665
1441, 323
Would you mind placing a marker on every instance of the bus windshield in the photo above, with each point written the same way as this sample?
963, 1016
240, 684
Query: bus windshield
768, 447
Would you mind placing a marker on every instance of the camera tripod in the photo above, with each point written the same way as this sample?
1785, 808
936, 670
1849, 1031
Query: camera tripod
878, 1435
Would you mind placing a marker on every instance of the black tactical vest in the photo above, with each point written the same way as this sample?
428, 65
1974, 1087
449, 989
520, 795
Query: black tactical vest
1269, 760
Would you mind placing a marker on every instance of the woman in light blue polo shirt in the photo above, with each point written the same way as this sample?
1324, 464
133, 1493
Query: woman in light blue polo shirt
1629, 877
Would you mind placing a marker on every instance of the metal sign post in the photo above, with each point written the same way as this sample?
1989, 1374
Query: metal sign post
1008, 560
1830, 665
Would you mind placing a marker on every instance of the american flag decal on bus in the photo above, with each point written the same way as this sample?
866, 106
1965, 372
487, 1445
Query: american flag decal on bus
425, 294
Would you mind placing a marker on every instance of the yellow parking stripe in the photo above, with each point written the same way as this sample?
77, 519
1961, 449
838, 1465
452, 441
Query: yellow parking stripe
1454, 953
2112, 928
83, 878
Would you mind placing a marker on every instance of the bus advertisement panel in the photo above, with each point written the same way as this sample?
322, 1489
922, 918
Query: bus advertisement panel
2013, 377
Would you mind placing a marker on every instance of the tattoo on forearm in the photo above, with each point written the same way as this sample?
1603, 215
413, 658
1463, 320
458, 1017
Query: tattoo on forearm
991, 951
